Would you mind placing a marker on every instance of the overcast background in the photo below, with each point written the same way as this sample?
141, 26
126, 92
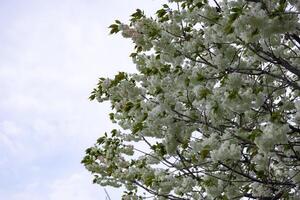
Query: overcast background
51, 55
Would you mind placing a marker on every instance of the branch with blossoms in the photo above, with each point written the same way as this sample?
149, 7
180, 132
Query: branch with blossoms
213, 111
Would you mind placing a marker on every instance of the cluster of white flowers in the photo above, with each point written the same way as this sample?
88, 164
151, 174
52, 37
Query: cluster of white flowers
216, 101
260, 190
226, 151
128, 32
272, 134
297, 115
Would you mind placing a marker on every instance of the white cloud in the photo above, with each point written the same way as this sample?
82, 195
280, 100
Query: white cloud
8, 133
75, 186
52, 53
78, 187
32, 191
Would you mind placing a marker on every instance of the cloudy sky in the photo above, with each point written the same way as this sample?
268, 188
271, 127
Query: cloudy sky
51, 54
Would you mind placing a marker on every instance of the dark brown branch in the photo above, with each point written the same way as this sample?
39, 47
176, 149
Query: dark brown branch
266, 182
168, 196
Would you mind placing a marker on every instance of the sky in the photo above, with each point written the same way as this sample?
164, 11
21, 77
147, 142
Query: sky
52, 53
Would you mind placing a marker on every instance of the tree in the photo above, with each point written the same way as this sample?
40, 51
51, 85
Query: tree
214, 109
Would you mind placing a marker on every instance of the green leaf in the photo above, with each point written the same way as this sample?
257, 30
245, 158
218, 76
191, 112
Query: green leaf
87, 160
199, 5
209, 182
233, 94
255, 133
255, 32
166, 6
139, 49
114, 28
137, 15
204, 93
111, 116
275, 116
204, 152
233, 17
282, 6
216, 107
187, 81
111, 168
261, 174
133, 55
145, 116
95, 180
114, 132
92, 97
257, 90
128, 106
236, 9
165, 68
94, 92
185, 144
200, 77
224, 197
228, 29
160, 13
149, 179
137, 127
158, 90
101, 140
118, 78
159, 148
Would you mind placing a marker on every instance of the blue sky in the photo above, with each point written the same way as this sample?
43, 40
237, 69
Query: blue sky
51, 55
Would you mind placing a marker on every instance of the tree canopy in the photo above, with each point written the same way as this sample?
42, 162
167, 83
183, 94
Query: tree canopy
213, 111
